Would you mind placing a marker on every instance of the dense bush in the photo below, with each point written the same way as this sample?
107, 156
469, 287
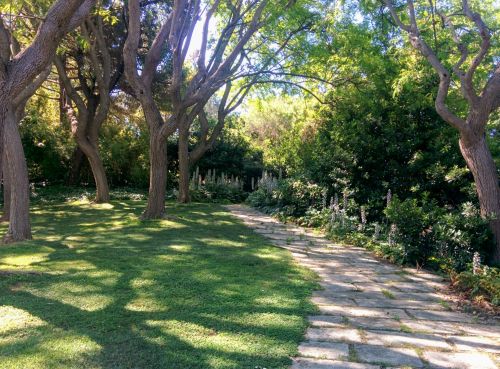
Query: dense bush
218, 192
482, 285
213, 187
289, 197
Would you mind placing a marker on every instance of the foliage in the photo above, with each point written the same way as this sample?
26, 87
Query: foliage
411, 231
234, 155
292, 197
414, 228
485, 285
218, 193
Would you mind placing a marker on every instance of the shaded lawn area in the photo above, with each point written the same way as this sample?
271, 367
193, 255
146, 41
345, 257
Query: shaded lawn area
99, 289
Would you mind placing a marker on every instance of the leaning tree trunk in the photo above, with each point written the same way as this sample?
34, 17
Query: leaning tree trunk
155, 208
16, 171
480, 162
184, 167
92, 153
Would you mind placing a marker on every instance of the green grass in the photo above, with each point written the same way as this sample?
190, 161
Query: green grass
97, 288
388, 294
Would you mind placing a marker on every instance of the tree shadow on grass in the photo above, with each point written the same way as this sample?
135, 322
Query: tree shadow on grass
198, 292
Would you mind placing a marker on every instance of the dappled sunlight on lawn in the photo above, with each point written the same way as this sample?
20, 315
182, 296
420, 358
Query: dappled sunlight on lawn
88, 297
98, 288
13, 319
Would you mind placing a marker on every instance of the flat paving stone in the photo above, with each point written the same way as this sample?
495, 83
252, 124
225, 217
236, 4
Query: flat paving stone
388, 356
431, 326
334, 334
363, 312
375, 323
446, 360
327, 321
481, 330
473, 343
327, 300
412, 287
399, 304
307, 363
338, 286
395, 339
416, 296
324, 350
446, 316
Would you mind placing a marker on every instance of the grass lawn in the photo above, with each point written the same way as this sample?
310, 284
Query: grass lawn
99, 289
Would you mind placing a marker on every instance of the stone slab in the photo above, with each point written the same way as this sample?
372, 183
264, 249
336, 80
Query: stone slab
388, 356
474, 343
307, 363
363, 312
334, 334
469, 360
324, 350
327, 321
402, 339
446, 316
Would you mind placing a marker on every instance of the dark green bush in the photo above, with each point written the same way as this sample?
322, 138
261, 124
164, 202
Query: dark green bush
290, 197
414, 230
218, 192
441, 239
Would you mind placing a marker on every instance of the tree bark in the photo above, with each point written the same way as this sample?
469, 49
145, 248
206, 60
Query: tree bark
482, 166
76, 166
155, 208
16, 172
91, 151
184, 167
6, 194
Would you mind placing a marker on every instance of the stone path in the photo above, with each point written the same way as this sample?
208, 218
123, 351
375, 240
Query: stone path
376, 315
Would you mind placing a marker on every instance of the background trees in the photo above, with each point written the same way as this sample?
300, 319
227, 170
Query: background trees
324, 95
90, 67
20, 67
473, 67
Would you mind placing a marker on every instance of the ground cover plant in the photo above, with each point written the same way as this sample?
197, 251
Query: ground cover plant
98, 288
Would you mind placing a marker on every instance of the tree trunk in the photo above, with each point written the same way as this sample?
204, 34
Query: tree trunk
155, 208
76, 167
184, 167
480, 162
101, 182
17, 174
6, 194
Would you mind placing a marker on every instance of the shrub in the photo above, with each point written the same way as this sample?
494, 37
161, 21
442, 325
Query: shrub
441, 239
298, 195
414, 230
289, 197
484, 285
216, 188
459, 234
218, 192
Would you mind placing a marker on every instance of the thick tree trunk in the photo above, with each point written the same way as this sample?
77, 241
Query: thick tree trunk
17, 174
6, 195
101, 182
480, 162
76, 167
155, 208
184, 167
